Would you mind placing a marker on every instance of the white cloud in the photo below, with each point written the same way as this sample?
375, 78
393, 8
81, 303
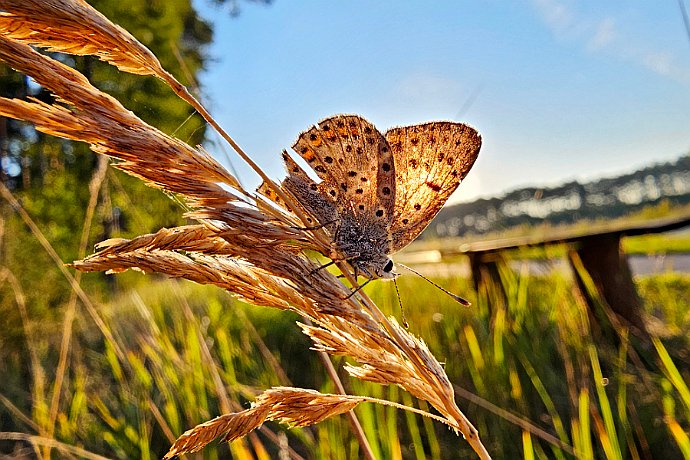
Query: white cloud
556, 15
660, 62
604, 35
663, 63
601, 35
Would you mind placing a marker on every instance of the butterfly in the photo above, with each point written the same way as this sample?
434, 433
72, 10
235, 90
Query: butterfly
377, 192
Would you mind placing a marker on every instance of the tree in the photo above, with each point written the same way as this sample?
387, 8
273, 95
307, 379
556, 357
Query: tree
51, 175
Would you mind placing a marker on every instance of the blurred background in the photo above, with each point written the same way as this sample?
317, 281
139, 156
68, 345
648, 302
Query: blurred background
560, 90
568, 236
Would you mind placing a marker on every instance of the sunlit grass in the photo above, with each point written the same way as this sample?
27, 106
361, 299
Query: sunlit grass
193, 353
538, 357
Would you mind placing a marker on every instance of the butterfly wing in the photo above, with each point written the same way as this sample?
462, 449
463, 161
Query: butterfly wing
430, 161
355, 164
309, 196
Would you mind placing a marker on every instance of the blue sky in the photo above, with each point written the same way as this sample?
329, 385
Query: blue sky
559, 89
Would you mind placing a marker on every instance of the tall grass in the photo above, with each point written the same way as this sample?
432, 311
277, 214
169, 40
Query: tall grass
535, 359
539, 358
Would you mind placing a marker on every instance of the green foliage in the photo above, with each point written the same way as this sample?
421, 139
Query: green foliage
51, 178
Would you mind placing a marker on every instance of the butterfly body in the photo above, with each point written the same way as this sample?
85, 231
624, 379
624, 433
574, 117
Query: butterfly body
365, 246
377, 193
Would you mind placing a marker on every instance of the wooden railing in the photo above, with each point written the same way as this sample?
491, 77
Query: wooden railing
596, 250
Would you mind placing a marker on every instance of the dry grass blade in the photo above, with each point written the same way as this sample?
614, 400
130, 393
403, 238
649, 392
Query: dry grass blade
293, 406
245, 245
238, 424
74, 27
110, 129
67, 449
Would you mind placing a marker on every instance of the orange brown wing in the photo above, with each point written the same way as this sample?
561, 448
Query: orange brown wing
356, 165
431, 160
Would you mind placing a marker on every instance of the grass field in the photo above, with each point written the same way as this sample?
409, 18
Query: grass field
536, 378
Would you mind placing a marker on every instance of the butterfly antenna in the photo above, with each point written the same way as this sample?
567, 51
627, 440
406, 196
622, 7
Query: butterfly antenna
457, 298
402, 310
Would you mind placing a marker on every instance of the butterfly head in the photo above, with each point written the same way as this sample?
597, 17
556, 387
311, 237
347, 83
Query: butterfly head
376, 267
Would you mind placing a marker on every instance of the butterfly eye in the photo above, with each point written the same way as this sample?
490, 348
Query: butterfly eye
388, 267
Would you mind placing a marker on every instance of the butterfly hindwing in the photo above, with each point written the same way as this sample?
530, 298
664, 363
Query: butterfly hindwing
431, 160
310, 195
355, 164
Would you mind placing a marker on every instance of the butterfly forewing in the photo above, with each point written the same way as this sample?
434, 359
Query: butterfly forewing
430, 161
355, 163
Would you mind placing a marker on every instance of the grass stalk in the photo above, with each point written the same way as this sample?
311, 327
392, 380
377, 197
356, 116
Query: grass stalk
43, 441
70, 312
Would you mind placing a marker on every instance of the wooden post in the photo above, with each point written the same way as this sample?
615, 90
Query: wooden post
486, 276
602, 257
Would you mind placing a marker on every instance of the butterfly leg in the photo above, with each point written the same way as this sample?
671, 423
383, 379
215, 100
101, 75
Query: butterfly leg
355, 291
333, 261
355, 272
318, 269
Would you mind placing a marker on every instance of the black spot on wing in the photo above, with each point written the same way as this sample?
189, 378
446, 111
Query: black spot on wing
433, 186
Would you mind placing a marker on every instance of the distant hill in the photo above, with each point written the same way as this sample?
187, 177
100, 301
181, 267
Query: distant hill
568, 203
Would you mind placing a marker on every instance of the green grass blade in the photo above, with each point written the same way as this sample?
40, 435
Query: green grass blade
605, 405
527, 448
673, 373
585, 449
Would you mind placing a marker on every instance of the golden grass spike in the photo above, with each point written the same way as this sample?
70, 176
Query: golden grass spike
238, 424
246, 281
294, 406
110, 129
192, 238
299, 407
381, 361
74, 27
